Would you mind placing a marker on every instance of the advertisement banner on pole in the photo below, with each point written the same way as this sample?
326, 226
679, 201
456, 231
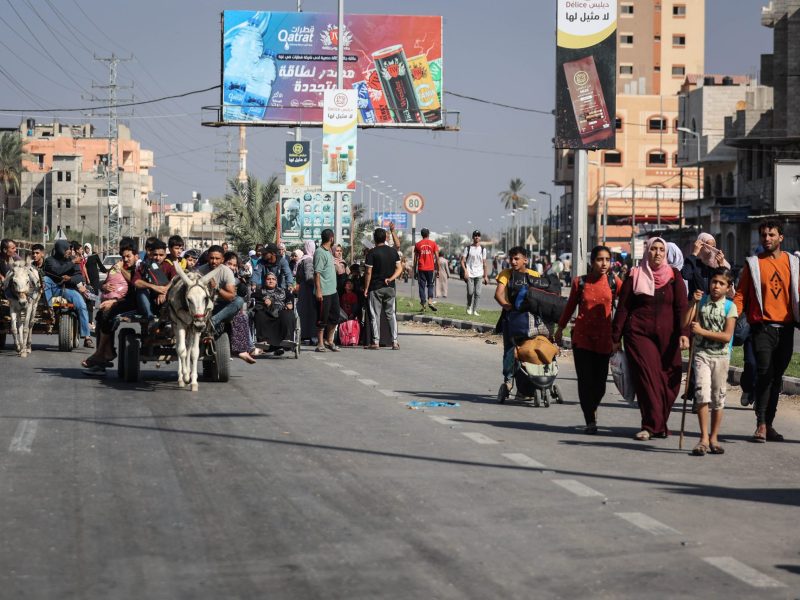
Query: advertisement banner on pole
339, 132
298, 163
400, 219
304, 211
586, 71
276, 66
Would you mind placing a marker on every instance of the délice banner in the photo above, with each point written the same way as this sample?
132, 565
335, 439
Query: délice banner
586, 71
276, 66
298, 163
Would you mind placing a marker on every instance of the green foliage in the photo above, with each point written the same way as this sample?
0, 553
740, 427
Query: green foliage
513, 198
11, 155
248, 212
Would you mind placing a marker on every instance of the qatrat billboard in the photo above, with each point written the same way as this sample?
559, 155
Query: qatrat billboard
276, 66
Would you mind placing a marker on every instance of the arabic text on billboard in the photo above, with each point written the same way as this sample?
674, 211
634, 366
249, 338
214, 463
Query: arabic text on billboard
400, 219
276, 66
298, 163
586, 57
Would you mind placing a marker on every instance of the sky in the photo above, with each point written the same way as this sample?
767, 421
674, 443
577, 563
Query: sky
502, 52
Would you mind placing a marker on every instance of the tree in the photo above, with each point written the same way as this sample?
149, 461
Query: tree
11, 155
248, 212
513, 199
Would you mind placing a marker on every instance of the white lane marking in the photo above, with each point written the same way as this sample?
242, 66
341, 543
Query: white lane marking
441, 420
349, 373
23, 436
333, 365
649, 524
368, 382
742, 572
523, 460
577, 488
479, 438
389, 393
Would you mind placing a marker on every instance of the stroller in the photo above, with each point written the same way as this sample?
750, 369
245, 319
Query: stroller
538, 305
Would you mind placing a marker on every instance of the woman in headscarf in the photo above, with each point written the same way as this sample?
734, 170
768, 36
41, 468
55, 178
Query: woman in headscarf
60, 270
698, 267
648, 319
342, 271
304, 279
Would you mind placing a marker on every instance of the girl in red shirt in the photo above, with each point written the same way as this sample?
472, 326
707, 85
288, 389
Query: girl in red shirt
591, 334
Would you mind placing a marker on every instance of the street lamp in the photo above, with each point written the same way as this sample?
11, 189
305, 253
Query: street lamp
696, 135
549, 222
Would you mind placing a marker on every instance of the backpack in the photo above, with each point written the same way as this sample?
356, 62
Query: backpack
540, 296
152, 273
349, 333
612, 283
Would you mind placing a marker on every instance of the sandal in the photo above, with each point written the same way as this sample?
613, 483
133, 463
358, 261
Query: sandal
642, 436
700, 449
716, 449
332, 347
245, 356
758, 437
320, 349
773, 436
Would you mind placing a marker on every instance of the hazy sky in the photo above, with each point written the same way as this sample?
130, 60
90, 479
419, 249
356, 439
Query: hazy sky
500, 51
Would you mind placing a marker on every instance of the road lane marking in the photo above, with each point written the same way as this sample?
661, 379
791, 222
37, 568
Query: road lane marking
441, 420
349, 373
368, 382
577, 488
523, 460
389, 393
23, 436
649, 524
742, 572
479, 438
333, 365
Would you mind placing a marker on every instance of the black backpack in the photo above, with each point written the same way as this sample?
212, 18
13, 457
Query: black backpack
612, 283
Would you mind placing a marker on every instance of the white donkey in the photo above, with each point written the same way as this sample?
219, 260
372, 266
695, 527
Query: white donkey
24, 288
191, 301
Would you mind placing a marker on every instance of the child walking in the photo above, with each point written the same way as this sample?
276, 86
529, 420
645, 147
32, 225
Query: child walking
713, 332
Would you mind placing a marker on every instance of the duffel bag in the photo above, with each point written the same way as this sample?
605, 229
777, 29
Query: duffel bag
349, 333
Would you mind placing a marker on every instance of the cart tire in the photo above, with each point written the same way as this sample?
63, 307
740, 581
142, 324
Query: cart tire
502, 393
545, 399
131, 358
208, 369
66, 328
222, 361
75, 331
557, 395
2, 341
124, 335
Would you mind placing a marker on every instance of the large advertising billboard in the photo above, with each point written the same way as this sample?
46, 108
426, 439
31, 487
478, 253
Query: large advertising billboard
339, 136
586, 70
276, 66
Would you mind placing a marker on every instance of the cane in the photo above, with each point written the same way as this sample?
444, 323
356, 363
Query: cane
688, 379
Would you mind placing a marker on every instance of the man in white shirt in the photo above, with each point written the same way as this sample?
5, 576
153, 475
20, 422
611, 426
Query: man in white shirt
474, 271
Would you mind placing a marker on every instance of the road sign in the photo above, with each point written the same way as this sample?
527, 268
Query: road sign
414, 203
530, 240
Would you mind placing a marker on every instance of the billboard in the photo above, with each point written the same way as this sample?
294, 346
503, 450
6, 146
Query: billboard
586, 71
276, 66
304, 211
383, 219
339, 134
298, 163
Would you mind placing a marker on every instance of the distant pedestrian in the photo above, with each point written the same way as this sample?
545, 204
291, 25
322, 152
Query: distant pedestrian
442, 275
325, 293
768, 295
383, 268
713, 331
474, 271
425, 253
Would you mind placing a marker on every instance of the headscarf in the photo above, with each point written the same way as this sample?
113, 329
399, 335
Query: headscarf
708, 254
308, 250
674, 256
646, 279
57, 264
87, 248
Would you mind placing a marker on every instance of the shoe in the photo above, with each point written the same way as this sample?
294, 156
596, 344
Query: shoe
95, 371
469, 311
320, 349
287, 344
373, 347
773, 436
432, 307
423, 308
88, 343
745, 399
642, 436
395, 346
700, 449
278, 352
590, 429
715, 449
476, 313
332, 347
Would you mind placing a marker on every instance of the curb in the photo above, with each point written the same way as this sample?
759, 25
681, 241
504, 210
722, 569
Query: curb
791, 385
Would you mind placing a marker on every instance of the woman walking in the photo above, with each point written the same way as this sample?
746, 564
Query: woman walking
651, 305
442, 275
699, 266
593, 295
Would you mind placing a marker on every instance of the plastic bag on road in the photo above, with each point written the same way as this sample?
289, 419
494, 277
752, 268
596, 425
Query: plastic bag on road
620, 371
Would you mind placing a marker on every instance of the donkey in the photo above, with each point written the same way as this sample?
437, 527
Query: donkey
23, 288
190, 301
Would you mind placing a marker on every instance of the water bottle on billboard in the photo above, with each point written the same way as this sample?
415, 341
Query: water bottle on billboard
246, 47
259, 88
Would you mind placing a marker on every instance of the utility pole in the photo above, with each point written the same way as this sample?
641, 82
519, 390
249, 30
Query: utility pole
242, 154
580, 213
223, 159
633, 220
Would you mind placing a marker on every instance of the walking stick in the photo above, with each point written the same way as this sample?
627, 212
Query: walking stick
688, 380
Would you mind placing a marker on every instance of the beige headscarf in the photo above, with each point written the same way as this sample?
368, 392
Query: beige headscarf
709, 254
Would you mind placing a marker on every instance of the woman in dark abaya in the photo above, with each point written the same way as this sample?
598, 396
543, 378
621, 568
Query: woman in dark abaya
648, 321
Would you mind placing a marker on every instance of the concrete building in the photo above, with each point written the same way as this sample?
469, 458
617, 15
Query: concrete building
67, 173
195, 223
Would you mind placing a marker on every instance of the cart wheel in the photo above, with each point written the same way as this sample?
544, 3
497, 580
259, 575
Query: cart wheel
502, 393
208, 369
545, 399
75, 331
130, 357
221, 370
2, 341
65, 333
557, 394
124, 334
536, 395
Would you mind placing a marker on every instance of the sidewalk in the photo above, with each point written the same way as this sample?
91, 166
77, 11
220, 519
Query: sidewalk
791, 385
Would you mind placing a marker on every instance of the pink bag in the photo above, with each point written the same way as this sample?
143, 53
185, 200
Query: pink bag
349, 333
118, 284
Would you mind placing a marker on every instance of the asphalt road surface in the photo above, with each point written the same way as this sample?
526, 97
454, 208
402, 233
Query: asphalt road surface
313, 479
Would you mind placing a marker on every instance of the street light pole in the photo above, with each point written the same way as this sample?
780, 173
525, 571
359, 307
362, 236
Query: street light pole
549, 222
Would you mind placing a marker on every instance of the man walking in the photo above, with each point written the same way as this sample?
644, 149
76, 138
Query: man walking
425, 253
474, 272
383, 267
768, 295
325, 293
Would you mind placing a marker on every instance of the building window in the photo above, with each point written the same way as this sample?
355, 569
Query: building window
675, 125
68, 176
626, 9
570, 159
626, 39
618, 123
675, 159
656, 124
678, 70
679, 40
657, 68
656, 158
68, 203
39, 159
58, 203
679, 10
612, 157
657, 38
67, 228
626, 69
59, 176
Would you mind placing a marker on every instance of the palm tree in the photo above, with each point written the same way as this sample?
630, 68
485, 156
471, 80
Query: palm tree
11, 155
513, 199
248, 212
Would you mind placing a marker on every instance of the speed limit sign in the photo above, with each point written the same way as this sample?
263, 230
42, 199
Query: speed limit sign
413, 203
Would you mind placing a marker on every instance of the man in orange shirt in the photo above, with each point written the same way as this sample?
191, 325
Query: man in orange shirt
425, 253
768, 295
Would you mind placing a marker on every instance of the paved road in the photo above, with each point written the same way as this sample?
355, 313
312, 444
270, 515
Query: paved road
312, 479
457, 293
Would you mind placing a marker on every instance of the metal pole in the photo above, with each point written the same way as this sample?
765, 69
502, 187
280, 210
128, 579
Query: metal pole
580, 213
697, 135
337, 197
633, 220
297, 130
44, 210
605, 207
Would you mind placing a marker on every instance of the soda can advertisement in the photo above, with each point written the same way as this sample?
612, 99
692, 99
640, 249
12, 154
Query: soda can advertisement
339, 134
276, 67
298, 163
586, 74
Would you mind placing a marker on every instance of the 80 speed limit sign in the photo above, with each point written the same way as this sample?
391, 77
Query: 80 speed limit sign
413, 203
